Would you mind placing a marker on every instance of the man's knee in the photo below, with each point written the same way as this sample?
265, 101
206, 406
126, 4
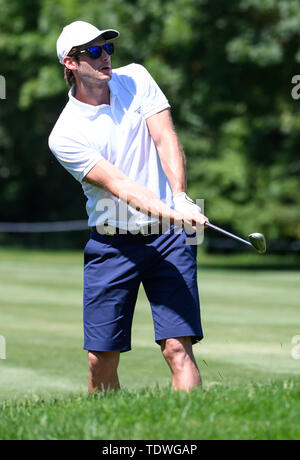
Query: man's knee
103, 359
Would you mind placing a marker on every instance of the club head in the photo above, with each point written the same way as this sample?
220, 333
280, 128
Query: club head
258, 241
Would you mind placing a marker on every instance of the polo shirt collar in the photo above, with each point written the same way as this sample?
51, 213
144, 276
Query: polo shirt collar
113, 85
89, 110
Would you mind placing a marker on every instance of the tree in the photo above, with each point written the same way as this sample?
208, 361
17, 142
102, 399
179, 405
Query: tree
226, 68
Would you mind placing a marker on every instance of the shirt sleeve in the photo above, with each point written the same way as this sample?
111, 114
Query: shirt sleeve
151, 97
74, 154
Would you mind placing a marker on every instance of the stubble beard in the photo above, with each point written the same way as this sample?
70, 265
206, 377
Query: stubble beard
96, 79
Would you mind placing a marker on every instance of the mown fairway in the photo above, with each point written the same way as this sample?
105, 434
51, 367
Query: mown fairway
249, 317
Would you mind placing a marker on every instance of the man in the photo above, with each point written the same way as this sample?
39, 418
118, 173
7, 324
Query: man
116, 137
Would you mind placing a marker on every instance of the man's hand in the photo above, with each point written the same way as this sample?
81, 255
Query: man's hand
190, 214
184, 203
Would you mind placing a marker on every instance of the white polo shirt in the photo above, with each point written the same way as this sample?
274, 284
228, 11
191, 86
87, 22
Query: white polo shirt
84, 134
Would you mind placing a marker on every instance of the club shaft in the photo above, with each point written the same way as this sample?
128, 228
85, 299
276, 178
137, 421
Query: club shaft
218, 229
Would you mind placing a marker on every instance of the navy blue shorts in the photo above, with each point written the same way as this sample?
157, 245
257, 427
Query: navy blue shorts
114, 267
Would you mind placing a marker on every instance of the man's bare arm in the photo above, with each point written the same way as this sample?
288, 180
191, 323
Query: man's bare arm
105, 175
171, 154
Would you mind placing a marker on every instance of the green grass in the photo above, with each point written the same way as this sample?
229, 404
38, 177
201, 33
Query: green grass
250, 312
223, 412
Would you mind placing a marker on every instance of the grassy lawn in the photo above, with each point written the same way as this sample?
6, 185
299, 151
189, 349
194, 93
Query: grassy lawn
250, 312
250, 411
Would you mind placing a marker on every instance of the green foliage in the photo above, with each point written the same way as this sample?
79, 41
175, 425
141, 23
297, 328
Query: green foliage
226, 68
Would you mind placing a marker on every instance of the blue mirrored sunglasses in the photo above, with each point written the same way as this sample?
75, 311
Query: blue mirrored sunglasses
95, 52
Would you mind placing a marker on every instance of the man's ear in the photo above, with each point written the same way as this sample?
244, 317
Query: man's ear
70, 63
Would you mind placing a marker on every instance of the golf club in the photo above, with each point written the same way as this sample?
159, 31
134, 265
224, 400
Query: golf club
257, 240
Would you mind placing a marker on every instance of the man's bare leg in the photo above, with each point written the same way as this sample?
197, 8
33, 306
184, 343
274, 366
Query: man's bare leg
178, 353
103, 367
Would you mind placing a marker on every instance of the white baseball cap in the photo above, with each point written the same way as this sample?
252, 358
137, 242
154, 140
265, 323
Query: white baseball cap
78, 33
